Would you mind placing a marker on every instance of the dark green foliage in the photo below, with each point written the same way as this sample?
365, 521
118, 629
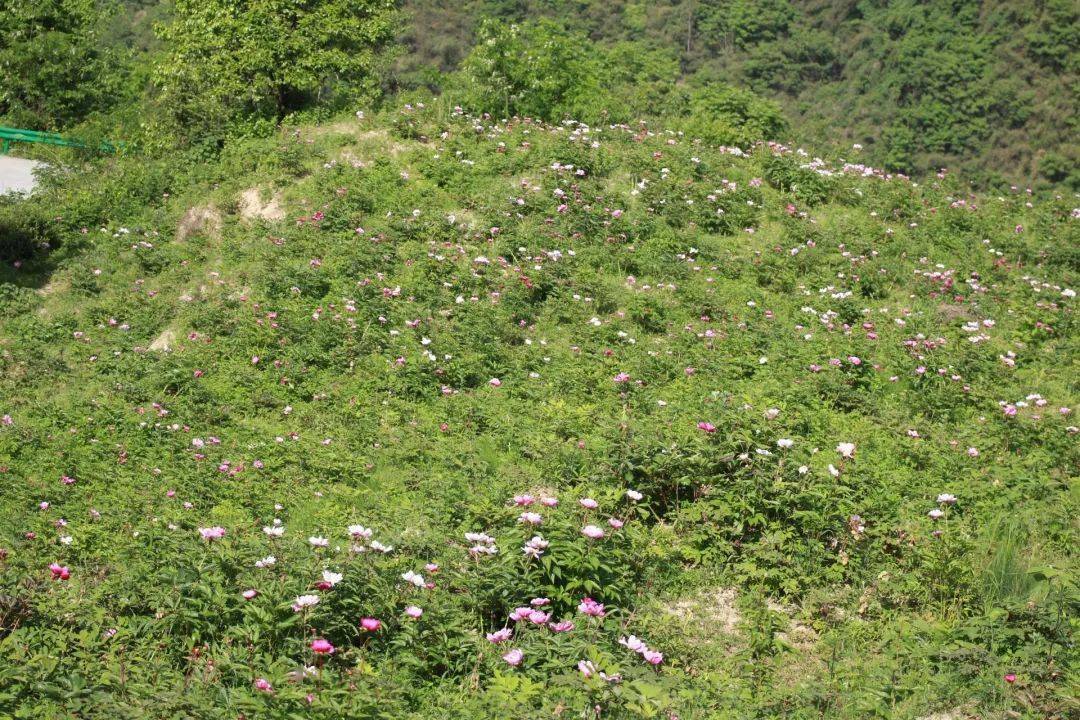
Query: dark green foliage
980, 87
234, 62
54, 68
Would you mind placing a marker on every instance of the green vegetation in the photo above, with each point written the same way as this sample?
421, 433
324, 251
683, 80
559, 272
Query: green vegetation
481, 393
230, 61
986, 88
311, 328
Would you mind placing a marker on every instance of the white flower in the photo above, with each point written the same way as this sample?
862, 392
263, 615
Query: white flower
305, 601
274, 530
317, 541
332, 578
266, 562
360, 532
633, 495
785, 443
846, 449
415, 578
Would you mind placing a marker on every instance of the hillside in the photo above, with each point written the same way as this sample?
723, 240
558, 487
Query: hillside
987, 88
430, 415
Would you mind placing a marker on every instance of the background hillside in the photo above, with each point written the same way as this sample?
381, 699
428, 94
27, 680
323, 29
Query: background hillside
988, 88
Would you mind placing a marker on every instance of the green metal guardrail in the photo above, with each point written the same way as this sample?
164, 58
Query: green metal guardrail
9, 135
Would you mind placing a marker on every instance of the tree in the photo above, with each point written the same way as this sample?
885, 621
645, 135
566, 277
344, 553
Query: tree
536, 69
232, 60
54, 71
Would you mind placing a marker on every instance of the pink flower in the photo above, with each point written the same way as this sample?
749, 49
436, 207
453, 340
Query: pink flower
520, 613
588, 503
531, 518
592, 532
322, 647
1010, 410
59, 572
250, 594
212, 533
1010, 678
653, 657
524, 500
500, 636
513, 657
549, 501
561, 627
370, 624
615, 523
586, 668
413, 612
707, 427
633, 643
590, 607
262, 684
494, 382
539, 617
621, 378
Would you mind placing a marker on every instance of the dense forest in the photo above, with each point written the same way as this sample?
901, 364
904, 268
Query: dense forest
990, 89
987, 87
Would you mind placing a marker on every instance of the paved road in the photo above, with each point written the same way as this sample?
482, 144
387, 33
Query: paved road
17, 174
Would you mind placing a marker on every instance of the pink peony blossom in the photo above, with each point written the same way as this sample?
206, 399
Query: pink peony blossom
590, 607
500, 636
212, 533
322, 647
